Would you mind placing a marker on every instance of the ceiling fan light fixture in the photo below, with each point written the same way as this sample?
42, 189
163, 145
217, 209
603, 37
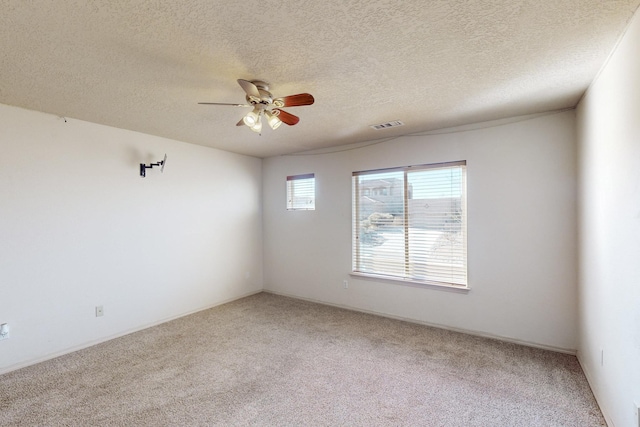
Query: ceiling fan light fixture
260, 99
273, 120
251, 118
257, 126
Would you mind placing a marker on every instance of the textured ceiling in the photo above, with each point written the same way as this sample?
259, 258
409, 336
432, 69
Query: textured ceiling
144, 65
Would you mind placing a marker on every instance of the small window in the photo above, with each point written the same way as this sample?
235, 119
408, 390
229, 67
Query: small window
301, 192
415, 227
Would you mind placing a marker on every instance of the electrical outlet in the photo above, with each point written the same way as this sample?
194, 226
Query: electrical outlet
4, 331
345, 284
99, 311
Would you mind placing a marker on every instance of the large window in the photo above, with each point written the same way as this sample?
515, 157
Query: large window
410, 224
301, 192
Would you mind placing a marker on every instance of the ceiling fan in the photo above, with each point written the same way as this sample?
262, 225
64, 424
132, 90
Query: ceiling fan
265, 105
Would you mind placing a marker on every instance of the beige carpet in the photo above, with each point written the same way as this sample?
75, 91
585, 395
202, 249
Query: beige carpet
268, 360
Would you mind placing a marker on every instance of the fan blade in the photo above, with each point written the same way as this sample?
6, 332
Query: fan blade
221, 103
249, 88
295, 100
241, 122
286, 118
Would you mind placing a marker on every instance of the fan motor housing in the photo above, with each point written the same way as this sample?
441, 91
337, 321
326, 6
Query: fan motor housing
265, 96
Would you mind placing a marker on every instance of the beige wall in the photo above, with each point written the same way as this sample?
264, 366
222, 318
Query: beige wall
522, 231
79, 228
608, 122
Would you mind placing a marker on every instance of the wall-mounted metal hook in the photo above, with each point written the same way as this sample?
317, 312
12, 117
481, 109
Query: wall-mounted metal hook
144, 167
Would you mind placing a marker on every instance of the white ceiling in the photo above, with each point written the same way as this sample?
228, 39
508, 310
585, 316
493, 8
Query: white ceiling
144, 65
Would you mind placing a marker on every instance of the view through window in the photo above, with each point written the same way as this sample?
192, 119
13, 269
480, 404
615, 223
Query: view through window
410, 223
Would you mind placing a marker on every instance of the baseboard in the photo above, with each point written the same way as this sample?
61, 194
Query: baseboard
594, 390
571, 352
21, 365
346, 307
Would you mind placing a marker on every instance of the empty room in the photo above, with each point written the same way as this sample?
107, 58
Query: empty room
339, 213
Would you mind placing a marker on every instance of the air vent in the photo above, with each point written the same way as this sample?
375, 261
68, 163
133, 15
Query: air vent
393, 124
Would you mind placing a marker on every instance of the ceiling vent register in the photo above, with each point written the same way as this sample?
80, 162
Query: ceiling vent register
387, 125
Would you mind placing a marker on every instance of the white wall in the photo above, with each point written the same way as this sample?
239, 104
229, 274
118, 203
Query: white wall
608, 122
79, 228
522, 232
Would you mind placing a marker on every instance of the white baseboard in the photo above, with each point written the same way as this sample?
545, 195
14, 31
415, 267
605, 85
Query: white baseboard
347, 307
595, 392
118, 335
572, 352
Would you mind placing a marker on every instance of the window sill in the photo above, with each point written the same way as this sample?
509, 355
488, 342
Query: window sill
412, 283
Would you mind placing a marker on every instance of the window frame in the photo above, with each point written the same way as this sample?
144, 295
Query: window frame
408, 279
290, 191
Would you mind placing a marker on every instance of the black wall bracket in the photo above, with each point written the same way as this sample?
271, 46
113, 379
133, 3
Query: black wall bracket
143, 167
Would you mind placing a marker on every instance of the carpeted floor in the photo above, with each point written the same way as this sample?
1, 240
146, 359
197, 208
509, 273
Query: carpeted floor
268, 360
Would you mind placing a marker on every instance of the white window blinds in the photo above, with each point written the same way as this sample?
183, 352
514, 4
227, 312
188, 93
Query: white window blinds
301, 192
410, 223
